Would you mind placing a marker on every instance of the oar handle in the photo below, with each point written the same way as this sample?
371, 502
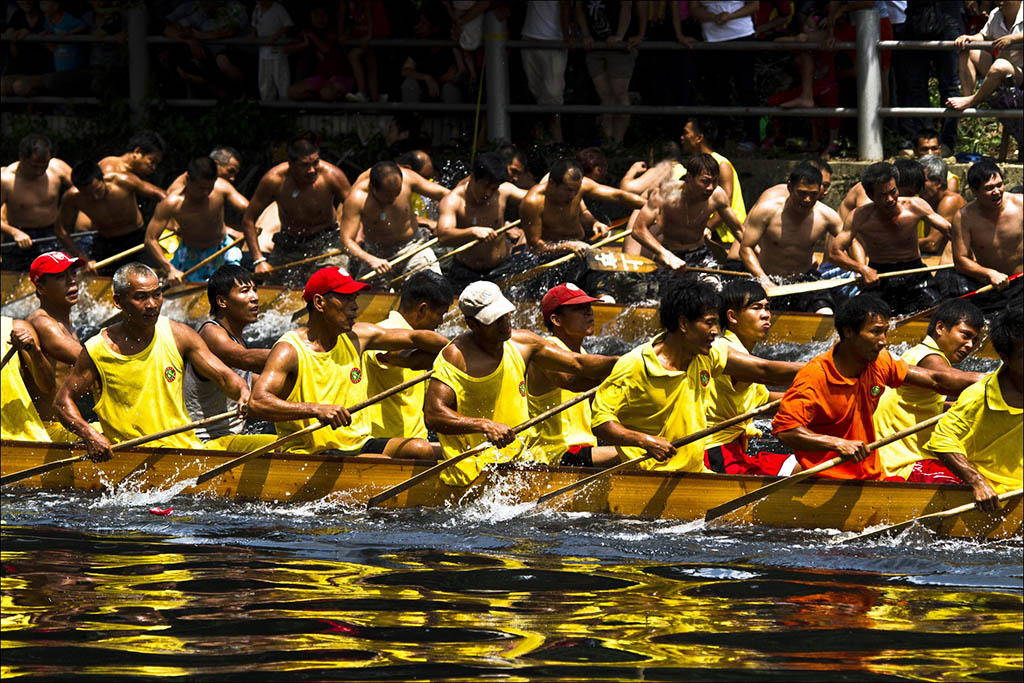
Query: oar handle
966, 507
914, 271
399, 259
308, 259
128, 252
716, 271
52, 238
209, 259
569, 257
456, 251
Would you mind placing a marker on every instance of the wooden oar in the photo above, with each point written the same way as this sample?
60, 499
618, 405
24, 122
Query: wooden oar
445, 464
923, 519
678, 443
514, 280
928, 311
818, 285
768, 489
8, 356
308, 259
453, 252
618, 262
256, 452
53, 238
137, 441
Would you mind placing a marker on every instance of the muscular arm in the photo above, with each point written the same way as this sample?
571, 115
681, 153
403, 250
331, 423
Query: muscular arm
946, 381
157, 225
65, 218
753, 230
351, 216
642, 234
140, 187
374, 338
423, 186
596, 190
83, 376
729, 216
931, 217
984, 494
230, 352
192, 348
24, 338
743, 366
54, 342
232, 197
837, 253
962, 255
448, 231
550, 357
261, 199
340, 184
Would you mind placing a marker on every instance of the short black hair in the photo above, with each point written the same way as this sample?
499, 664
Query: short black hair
489, 167
563, 167
147, 142
590, 158
1008, 330
416, 159
699, 163
84, 173
427, 286
909, 175
819, 164
879, 172
687, 300
925, 134
222, 154
855, 312
223, 279
302, 146
805, 172
34, 144
202, 168
981, 172
381, 171
954, 311
510, 153
705, 127
737, 295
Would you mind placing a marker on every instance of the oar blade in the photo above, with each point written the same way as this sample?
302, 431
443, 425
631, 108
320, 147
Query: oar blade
615, 261
15, 477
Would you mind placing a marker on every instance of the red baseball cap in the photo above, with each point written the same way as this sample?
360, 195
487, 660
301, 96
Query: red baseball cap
52, 263
331, 279
565, 294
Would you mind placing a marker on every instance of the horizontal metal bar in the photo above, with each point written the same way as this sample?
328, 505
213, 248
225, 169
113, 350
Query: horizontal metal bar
340, 107
952, 113
50, 100
651, 110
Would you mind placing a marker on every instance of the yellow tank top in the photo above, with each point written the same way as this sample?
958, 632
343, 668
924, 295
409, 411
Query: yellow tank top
142, 393
19, 418
904, 407
728, 398
571, 427
331, 377
499, 396
738, 206
401, 414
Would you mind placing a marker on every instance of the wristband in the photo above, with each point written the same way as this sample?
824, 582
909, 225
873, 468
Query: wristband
262, 259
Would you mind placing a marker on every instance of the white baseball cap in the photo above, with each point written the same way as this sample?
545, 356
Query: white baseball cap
483, 301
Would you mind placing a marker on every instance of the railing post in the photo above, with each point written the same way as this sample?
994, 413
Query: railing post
869, 86
138, 60
496, 64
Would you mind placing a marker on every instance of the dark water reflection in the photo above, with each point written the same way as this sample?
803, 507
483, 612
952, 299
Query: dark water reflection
256, 592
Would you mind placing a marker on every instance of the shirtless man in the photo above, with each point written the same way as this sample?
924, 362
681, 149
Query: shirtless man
988, 237
946, 201
229, 163
472, 211
199, 212
887, 227
782, 189
30, 191
786, 229
110, 203
927, 144
307, 191
145, 152
380, 203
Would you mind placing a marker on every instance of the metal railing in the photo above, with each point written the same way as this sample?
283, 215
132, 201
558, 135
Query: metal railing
867, 47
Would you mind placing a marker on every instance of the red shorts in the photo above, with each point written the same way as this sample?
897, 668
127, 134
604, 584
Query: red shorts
932, 472
730, 458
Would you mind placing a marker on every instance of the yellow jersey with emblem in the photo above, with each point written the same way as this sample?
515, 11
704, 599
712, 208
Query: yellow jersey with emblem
499, 396
142, 393
985, 429
728, 398
401, 414
332, 377
904, 407
643, 396
738, 206
19, 418
570, 427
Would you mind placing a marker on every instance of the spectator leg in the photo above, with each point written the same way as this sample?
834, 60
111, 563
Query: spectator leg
265, 80
282, 77
914, 86
805, 96
947, 74
355, 60
972, 64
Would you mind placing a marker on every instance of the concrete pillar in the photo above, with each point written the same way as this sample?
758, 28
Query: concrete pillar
869, 86
496, 55
138, 60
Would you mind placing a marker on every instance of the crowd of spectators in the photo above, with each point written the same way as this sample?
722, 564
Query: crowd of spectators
319, 51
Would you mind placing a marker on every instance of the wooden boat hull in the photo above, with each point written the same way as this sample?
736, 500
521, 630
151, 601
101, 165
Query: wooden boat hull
818, 504
610, 320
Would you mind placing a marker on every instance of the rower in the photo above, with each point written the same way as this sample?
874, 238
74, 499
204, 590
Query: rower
697, 138
786, 230
138, 364
380, 205
746, 317
887, 227
658, 392
199, 212
827, 410
145, 152
988, 238
307, 191
472, 211
944, 200
478, 391
565, 438
979, 438
681, 208
315, 371
229, 163
234, 304
110, 201
926, 144
953, 333
426, 297
30, 191
782, 189
26, 376
419, 161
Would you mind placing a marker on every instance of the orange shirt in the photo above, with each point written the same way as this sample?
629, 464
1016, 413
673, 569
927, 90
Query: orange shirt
827, 402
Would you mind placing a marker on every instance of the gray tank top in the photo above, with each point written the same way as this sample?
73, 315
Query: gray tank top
203, 397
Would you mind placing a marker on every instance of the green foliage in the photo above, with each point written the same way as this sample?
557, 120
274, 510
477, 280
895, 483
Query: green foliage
974, 136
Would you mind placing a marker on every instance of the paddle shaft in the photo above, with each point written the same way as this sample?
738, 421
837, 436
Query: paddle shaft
137, 441
522, 277
255, 453
767, 489
8, 356
128, 252
399, 259
819, 285
928, 311
54, 238
678, 443
630, 263
457, 250
445, 464
926, 519
209, 259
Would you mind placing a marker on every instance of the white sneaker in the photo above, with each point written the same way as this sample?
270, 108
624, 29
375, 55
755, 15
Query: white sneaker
355, 97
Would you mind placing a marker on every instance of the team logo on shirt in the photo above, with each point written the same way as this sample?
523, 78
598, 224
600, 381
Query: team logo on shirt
705, 377
522, 388
876, 390
170, 373
356, 376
